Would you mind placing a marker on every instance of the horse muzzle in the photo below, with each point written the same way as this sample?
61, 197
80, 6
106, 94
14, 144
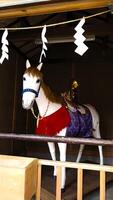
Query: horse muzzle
27, 105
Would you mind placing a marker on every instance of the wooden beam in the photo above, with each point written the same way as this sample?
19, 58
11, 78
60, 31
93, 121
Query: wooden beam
5, 3
60, 33
51, 7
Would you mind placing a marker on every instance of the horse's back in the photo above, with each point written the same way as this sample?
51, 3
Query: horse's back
81, 122
95, 121
94, 113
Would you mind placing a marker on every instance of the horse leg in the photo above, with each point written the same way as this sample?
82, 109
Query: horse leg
80, 152
101, 154
62, 149
51, 146
96, 134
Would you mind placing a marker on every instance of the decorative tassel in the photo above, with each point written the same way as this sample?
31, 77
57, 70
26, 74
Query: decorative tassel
79, 38
44, 41
4, 48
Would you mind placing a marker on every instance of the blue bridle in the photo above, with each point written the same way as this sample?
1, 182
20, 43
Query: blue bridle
32, 91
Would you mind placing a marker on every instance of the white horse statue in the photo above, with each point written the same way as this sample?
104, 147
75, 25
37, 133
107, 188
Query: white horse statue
54, 117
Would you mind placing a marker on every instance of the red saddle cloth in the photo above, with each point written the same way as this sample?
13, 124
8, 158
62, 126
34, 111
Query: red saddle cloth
52, 124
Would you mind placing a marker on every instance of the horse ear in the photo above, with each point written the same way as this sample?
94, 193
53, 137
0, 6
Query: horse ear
39, 66
28, 64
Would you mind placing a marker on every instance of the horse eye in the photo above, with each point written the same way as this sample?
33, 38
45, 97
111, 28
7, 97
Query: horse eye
24, 78
38, 80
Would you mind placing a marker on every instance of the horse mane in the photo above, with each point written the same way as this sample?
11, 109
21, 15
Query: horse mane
48, 92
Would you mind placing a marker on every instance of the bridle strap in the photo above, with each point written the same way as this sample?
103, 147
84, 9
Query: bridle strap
30, 90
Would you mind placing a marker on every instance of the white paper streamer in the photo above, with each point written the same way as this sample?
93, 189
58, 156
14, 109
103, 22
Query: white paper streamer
4, 48
79, 38
44, 41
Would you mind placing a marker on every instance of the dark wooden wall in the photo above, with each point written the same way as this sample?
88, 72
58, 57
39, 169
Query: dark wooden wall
12, 116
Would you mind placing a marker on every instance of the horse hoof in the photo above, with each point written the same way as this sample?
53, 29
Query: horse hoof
62, 190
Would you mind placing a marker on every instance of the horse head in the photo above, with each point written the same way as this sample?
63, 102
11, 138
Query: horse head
31, 84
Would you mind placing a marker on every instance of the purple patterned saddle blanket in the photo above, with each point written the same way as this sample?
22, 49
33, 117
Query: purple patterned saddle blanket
81, 124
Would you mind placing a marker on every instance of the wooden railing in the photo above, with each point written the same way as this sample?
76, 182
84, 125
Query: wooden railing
80, 168
68, 140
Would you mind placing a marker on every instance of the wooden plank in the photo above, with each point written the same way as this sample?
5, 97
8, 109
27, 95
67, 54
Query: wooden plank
102, 185
38, 189
58, 183
79, 184
93, 167
52, 7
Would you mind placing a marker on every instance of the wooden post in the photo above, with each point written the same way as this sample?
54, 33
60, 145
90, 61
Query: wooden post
58, 183
102, 185
79, 184
38, 191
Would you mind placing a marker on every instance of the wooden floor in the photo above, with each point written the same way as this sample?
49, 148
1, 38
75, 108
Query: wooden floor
91, 183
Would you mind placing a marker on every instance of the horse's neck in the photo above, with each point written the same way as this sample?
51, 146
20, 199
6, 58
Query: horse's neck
45, 106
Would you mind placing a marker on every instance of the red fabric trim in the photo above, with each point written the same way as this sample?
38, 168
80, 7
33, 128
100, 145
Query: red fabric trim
53, 123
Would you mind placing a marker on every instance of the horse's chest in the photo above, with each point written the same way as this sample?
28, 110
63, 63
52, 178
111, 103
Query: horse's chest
54, 123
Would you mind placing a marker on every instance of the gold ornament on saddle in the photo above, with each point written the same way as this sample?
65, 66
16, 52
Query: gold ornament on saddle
74, 85
71, 94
